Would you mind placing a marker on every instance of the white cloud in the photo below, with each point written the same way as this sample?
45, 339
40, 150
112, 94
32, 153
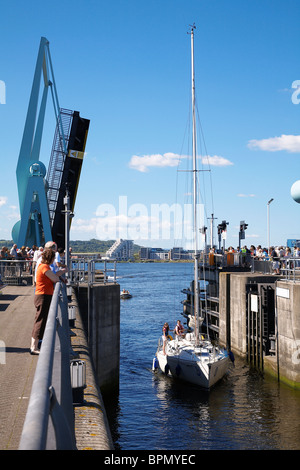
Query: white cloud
162, 222
84, 225
215, 161
143, 163
15, 214
290, 143
3, 200
245, 195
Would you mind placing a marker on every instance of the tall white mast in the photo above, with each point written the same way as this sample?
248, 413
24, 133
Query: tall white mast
196, 289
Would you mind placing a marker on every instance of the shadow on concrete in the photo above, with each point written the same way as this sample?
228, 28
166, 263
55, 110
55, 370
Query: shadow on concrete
9, 297
11, 349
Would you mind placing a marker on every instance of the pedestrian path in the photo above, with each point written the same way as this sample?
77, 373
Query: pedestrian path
17, 369
17, 365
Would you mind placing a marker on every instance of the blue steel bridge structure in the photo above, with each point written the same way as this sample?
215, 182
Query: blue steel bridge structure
42, 192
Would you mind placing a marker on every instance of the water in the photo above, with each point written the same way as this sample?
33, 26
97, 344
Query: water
245, 411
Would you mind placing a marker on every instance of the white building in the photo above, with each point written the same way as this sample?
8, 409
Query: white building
121, 250
176, 253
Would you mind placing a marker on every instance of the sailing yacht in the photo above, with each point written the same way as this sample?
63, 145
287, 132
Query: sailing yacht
193, 358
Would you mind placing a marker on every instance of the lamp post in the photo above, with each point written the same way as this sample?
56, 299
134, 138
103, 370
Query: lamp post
68, 215
268, 217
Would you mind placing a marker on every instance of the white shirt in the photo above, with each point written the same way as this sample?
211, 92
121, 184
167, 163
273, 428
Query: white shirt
37, 255
13, 252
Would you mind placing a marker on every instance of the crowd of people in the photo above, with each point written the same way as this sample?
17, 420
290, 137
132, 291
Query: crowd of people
23, 253
263, 253
16, 253
46, 264
31, 255
280, 256
266, 253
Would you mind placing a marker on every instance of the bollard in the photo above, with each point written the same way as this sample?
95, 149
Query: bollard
72, 315
69, 292
78, 380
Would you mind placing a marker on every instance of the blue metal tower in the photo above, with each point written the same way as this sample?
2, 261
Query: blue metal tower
34, 226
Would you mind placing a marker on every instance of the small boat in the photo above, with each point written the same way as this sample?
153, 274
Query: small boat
193, 358
125, 294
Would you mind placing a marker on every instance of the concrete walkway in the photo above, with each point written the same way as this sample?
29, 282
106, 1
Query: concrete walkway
17, 365
17, 369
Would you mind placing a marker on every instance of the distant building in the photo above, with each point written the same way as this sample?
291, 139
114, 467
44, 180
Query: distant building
177, 253
153, 253
161, 254
121, 250
180, 253
145, 253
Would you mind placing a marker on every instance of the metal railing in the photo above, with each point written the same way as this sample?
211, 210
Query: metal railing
264, 266
49, 422
289, 268
84, 269
16, 272
91, 271
222, 260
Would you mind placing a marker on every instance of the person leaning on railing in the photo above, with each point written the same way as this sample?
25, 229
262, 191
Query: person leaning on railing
45, 280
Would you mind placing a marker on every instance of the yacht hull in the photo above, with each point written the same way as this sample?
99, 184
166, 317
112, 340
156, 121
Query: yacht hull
204, 375
162, 360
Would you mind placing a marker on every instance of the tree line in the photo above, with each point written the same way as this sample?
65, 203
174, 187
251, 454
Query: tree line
82, 246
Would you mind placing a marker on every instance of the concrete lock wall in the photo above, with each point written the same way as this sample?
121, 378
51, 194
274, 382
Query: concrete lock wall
232, 320
105, 334
288, 331
233, 305
100, 309
233, 316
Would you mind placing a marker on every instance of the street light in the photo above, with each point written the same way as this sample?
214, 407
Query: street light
268, 215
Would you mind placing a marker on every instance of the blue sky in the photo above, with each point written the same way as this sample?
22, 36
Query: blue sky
125, 65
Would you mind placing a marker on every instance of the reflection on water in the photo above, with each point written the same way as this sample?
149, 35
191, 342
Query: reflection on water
154, 412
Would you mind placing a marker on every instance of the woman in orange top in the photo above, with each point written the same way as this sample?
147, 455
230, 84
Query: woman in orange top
45, 280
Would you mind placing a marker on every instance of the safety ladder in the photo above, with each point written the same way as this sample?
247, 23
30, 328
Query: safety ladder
57, 160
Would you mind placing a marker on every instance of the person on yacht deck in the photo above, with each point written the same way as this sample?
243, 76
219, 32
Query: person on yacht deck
179, 329
165, 331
